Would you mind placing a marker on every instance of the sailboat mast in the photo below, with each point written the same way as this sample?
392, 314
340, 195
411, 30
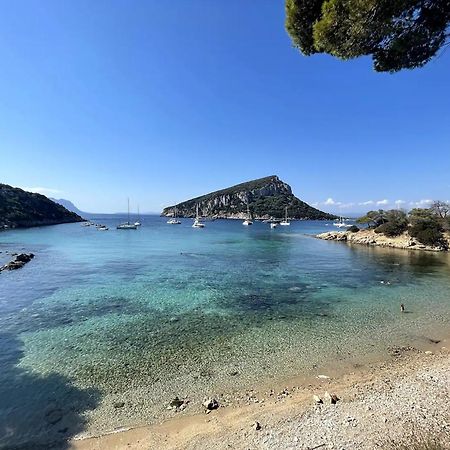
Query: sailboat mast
128, 209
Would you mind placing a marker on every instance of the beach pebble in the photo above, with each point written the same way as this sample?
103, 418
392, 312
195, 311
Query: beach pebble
323, 377
256, 426
317, 399
119, 405
331, 398
210, 404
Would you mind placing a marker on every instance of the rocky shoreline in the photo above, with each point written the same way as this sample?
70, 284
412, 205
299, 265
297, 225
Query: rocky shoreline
369, 237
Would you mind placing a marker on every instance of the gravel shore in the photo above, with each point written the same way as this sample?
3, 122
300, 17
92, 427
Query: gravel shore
380, 404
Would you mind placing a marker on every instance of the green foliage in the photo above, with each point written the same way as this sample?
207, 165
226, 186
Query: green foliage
396, 222
19, 208
428, 231
373, 218
398, 34
266, 197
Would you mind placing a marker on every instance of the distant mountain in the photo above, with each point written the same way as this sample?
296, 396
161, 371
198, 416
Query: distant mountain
267, 197
19, 208
68, 205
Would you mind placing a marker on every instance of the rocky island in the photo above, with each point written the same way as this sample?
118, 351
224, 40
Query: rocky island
20, 209
266, 198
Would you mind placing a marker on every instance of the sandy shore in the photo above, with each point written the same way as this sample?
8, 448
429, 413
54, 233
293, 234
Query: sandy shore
405, 395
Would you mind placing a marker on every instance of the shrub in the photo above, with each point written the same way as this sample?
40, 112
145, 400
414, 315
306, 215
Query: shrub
396, 223
429, 232
392, 228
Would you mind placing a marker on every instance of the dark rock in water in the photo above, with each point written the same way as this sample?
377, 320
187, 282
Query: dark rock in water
24, 257
18, 262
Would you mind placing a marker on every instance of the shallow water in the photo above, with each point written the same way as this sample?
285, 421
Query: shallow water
141, 316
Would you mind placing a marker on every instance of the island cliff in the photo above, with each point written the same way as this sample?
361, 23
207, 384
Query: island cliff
266, 197
20, 209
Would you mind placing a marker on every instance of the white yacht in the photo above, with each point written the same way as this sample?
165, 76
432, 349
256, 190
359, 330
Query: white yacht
273, 224
285, 222
248, 220
102, 228
197, 223
138, 222
127, 225
174, 220
341, 223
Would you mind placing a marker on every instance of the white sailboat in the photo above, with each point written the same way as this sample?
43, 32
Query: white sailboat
285, 222
127, 225
341, 223
248, 220
273, 225
197, 223
174, 220
138, 222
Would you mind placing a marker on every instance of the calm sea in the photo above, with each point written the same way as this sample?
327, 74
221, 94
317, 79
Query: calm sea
103, 329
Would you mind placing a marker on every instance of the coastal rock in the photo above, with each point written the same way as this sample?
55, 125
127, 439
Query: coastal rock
18, 262
369, 237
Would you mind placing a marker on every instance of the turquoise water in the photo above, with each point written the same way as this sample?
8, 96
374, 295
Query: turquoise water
101, 318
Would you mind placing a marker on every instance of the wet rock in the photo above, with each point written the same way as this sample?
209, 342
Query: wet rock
18, 262
210, 404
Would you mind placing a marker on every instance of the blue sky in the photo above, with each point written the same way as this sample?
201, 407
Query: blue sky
162, 101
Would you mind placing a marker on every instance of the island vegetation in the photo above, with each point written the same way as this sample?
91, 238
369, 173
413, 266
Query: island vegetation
418, 229
264, 198
19, 208
427, 225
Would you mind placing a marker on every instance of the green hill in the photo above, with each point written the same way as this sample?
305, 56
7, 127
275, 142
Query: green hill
267, 197
19, 209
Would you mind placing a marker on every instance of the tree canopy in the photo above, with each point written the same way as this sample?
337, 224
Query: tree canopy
398, 34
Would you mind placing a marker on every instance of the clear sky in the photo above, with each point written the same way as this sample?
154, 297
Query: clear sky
161, 101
